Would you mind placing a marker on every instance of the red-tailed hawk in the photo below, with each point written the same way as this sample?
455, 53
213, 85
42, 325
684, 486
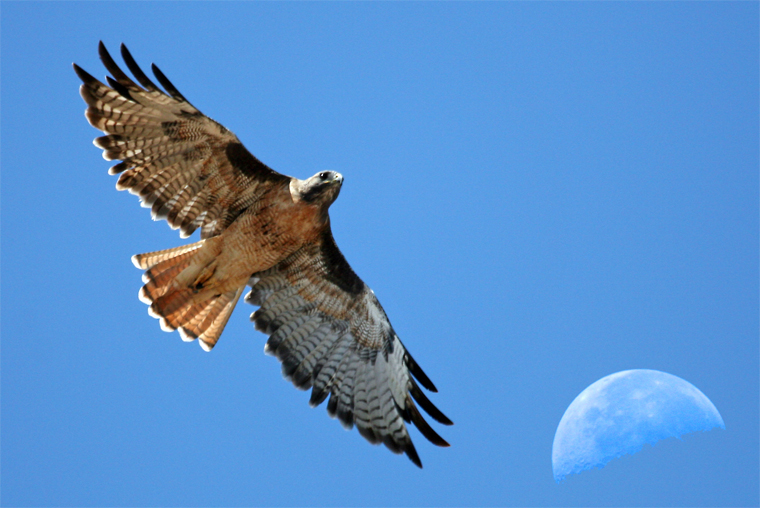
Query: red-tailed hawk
258, 228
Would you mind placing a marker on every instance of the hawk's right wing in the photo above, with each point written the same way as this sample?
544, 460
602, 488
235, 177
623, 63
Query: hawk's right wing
186, 167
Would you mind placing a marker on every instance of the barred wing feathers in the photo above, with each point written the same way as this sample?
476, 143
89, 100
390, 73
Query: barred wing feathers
187, 168
331, 335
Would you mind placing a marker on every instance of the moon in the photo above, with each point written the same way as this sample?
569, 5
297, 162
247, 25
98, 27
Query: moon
619, 413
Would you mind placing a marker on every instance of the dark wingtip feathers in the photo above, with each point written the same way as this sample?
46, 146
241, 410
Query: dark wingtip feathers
120, 88
417, 372
136, 70
168, 86
105, 57
85, 76
428, 406
411, 452
423, 426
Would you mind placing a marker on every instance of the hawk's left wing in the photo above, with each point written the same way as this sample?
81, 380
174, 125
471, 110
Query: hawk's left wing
332, 335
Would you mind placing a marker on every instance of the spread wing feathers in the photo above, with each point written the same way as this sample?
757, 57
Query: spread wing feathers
186, 167
176, 307
332, 335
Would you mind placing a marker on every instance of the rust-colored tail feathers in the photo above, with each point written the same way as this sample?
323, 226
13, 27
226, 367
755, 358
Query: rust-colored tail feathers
177, 307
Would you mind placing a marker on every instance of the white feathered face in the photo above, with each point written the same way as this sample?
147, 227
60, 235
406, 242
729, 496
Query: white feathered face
322, 188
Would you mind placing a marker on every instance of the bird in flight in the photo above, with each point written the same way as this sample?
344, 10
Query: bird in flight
262, 229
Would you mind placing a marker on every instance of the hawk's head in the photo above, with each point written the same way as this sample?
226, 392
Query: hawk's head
321, 189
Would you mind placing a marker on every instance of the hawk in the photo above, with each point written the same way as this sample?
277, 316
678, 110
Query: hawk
262, 229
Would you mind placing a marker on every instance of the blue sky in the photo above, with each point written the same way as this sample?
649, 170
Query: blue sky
540, 194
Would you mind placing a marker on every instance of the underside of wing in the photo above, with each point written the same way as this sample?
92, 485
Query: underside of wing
331, 335
186, 167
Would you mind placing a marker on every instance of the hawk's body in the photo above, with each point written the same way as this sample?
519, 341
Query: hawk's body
263, 235
265, 229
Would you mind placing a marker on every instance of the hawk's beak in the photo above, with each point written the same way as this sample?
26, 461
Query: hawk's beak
338, 179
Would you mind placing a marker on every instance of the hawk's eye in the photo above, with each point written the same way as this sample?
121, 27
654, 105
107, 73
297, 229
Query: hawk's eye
323, 175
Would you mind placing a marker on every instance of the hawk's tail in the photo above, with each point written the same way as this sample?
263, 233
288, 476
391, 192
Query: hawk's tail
178, 307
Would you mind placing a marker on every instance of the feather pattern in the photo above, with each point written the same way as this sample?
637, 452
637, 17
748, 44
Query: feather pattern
331, 335
177, 308
184, 166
